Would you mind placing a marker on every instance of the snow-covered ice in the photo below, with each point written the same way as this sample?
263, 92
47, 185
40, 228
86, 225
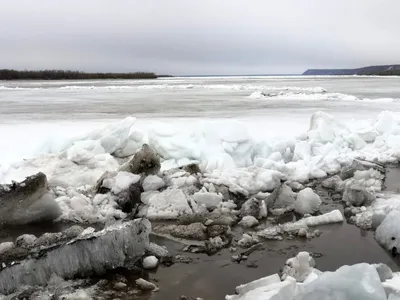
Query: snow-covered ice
388, 232
248, 221
152, 183
123, 180
168, 205
307, 202
373, 215
229, 155
299, 267
359, 281
150, 262
334, 216
210, 200
301, 281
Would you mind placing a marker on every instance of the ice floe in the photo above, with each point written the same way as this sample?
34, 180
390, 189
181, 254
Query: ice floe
301, 281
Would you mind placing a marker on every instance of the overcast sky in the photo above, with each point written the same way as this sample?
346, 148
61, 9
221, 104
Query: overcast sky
184, 37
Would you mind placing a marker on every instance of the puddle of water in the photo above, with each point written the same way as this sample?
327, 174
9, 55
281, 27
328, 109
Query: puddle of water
213, 277
10, 233
392, 179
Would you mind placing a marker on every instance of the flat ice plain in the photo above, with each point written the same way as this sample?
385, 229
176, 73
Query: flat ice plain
35, 115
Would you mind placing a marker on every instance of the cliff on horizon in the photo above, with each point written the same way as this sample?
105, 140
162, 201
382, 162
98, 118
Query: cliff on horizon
385, 70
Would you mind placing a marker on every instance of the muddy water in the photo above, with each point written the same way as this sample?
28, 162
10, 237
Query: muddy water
213, 277
10, 233
392, 179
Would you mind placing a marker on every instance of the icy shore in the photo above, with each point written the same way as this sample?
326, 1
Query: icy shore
87, 254
301, 280
228, 156
205, 184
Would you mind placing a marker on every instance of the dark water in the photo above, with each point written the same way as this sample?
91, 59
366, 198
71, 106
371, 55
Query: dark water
10, 233
392, 179
213, 277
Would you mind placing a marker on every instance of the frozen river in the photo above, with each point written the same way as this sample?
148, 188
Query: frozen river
247, 132
32, 112
214, 97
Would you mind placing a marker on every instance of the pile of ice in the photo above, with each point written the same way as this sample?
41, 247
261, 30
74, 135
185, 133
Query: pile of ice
227, 154
317, 94
314, 94
324, 149
388, 232
372, 216
301, 281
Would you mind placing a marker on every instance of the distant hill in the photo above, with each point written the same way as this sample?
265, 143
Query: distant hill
6, 74
372, 70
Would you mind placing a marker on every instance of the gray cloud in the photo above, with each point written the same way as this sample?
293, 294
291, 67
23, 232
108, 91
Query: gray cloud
198, 37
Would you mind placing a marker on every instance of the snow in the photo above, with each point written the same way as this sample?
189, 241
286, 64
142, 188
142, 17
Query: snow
119, 138
334, 216
257, 95
246, 181
5, 246
394, 297
244, 288
277, 290
248, 240
150, 262
152, 183
123, 180
307, 202
388, 232
243, 155
378, 210
229, 154
210, 200
360, 281
77, 295
392, 285
61, 171
238, 150
299, 267
167, 205
248, 221
145, 196
311, 94
301, 281
227, 151
77, 207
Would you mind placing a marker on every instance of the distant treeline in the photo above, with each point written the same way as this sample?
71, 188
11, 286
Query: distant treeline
6, 74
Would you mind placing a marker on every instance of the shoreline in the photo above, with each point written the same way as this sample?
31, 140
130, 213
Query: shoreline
220, 274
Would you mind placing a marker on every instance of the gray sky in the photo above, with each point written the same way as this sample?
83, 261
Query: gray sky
198, 37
